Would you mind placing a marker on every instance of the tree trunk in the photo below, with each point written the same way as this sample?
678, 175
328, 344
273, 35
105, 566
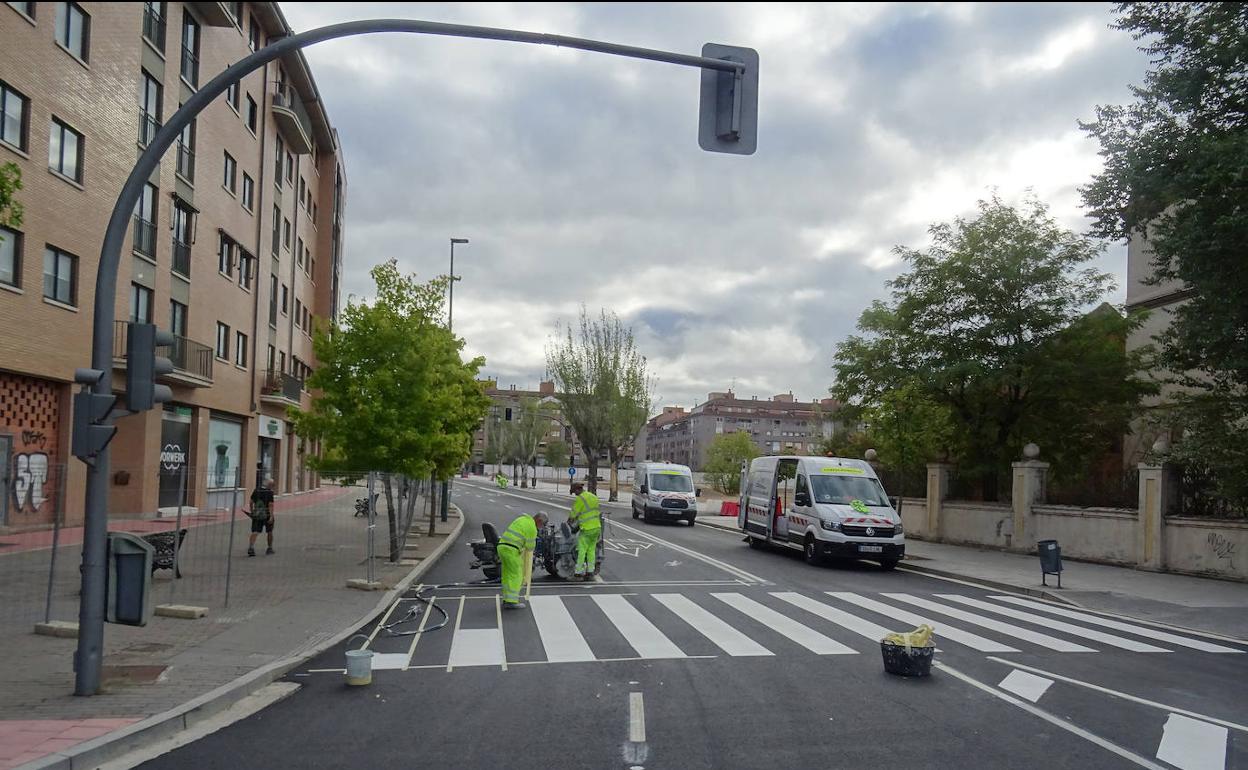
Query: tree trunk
409, 518
390, 518
591, 460
615, 476
433, 503
524, 475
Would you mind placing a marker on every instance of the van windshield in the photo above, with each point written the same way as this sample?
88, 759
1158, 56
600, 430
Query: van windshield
843, 490
670, 482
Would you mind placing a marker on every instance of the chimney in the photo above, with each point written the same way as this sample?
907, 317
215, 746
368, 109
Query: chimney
829, 403
783, 398
547, 388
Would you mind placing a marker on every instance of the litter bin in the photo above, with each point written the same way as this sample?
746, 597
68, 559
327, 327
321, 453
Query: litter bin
1050, 560
129, 579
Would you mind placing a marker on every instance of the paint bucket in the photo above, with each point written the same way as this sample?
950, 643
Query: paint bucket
359, 665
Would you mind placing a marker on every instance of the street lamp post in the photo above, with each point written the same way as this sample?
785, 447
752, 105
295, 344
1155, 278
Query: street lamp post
450, 326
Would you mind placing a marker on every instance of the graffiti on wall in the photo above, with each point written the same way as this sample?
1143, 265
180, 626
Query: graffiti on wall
1222, 548
30, 481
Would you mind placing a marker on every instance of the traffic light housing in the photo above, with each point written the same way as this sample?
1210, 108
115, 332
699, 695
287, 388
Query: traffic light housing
728, 108
143, 366
90, 410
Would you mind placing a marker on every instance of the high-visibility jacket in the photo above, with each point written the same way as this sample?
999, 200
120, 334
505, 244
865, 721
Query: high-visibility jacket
521, 534
585, 512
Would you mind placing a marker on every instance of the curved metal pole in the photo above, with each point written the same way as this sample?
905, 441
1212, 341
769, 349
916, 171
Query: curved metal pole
89, 656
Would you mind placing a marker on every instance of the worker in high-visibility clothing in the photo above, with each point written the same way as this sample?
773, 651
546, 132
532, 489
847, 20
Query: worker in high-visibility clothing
586, 516
515, 550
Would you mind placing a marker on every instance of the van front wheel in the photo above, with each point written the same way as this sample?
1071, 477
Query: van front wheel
888, 565
813, 556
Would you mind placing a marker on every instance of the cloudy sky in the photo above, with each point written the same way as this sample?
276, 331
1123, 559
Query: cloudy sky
578, 177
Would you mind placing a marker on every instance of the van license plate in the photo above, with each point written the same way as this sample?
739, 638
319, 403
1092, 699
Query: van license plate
870, 549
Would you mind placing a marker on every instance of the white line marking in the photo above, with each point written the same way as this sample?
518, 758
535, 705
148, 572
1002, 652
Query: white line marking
1123, 695
377, 627
1149, 633
1190, 744
786, 626
1026, 634
974, 641
841, 618
601, 660
561, 639
389, 661
725, 637
636, 718
420, 631
1046, 716
459, 616
1057, 625
498, 616
1026, 685
476, 647
640, 633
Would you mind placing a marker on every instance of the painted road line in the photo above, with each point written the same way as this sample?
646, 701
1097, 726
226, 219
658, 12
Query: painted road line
420, 631
380, 623
1057, 625
640, 633
1150, 633
1190, 744
854, 623
1025, 685
636, 718
1123, 695
561, 639
459, 616
476, 647
1051, 719
724, 636
498, 617
786, 626
974, 641
1025, 634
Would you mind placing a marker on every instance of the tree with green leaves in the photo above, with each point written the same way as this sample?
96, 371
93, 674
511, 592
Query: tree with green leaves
556, 453
10, 183
603, 387
1176, 161
990, 326
392, 393
724, 457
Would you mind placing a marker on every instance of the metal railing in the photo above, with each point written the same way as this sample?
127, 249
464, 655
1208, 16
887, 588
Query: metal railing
154, 27
148, 126
182, 258
186, 161
187, 355
145, 237
282, 384
190, 66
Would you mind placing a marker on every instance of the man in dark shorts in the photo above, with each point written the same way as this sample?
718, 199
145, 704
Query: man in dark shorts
261, 514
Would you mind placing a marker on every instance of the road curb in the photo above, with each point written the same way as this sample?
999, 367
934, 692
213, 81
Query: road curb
992, 584
92, 753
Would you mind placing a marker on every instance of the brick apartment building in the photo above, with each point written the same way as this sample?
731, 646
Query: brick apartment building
780, 424
235, 247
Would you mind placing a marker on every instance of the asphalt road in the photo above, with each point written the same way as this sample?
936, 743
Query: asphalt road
696, 651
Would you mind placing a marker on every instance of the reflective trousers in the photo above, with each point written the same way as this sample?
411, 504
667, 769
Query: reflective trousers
513, 572
587, 551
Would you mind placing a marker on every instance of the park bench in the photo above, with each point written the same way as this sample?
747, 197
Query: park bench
166, 547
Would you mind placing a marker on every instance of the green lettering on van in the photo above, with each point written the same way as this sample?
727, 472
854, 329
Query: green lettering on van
841, 469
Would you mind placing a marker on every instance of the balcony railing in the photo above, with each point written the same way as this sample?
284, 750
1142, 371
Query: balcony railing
292, 119
145, 237
148, 126
190, 67
154, 27
182, 258
282, 384
186, 161
188, 356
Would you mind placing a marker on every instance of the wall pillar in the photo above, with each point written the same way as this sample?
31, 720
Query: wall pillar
1159, 490
1029, 481
937, 490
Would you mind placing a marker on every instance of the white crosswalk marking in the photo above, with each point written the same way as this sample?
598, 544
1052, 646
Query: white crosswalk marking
1057, 625
476, 647
974, 641
725, 637
560, 638
1191, 744
1026, 634
854, 623
1145, 631
648, 641
785, 626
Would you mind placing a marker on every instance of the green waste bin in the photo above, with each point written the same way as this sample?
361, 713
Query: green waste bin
1050, 561
129, 586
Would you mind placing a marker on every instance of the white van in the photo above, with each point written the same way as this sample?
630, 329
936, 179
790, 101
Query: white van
665, 492
826, 507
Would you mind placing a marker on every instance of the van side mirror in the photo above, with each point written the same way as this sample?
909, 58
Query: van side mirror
645, 490
697, 492
801, 499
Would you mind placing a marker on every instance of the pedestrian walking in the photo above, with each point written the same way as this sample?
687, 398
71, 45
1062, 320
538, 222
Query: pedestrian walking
261, 514
587, 519
515, 550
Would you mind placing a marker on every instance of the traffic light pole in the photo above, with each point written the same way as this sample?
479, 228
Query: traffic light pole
731, 123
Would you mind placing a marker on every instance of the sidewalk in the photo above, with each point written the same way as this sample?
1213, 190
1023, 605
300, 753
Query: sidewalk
165, 675
1201, 604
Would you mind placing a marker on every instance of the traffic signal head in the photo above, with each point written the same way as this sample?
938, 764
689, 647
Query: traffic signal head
143, 366
728, 108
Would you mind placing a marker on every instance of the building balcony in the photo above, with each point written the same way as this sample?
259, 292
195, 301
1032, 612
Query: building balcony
186, 162
281, 389
192, 361
148, 126
145, 237
215, 14
292, 119
154, 27
182, 258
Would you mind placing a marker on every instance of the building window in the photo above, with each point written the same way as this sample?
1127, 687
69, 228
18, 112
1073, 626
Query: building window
231, 96
236, 12
286, 233
60, 276
177, 318
140, 304
230, 177
285, 299
240, 349
253, 33
14, 111
272, 301
277, 230
223, 341
73, 29
277, 161
190, 48
281, 360
154, 24
26, 9
272, 358
303, 190
245, 264
299, 313
186, 152
253, 114
299, 251
65, 151
183, 235
10, 257
225, 254
145, 222
313, 213
290, 168
249, 192
150, 97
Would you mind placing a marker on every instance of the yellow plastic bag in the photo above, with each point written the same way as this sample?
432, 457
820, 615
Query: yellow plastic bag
919, 637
